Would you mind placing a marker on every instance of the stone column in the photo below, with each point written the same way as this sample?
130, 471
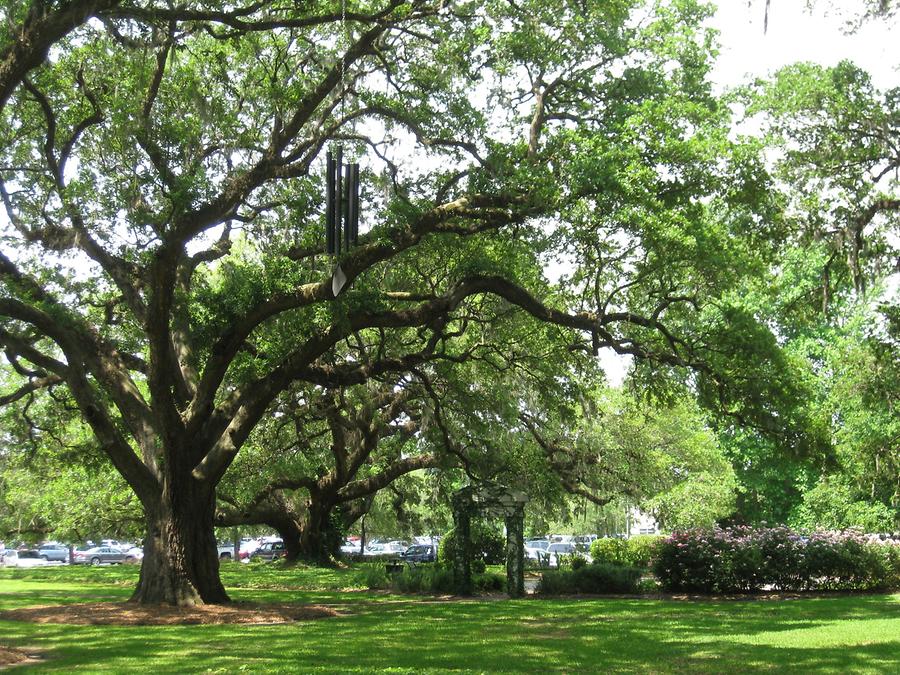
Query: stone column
462, 563
515, 552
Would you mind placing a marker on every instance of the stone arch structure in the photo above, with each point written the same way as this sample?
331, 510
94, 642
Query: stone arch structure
494, 500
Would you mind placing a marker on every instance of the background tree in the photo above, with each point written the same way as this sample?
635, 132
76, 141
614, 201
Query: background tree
840, 139
313, 473
54, 481
620, 449
838, 164
861, 488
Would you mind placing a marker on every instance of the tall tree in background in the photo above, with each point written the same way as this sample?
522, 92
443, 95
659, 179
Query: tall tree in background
54, 480
660, 457
838, 161
162, 244
840, 139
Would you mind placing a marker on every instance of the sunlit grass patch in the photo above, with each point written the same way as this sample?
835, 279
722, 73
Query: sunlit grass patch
404, 634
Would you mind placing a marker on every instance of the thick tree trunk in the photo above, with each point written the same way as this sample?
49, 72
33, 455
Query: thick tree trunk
312, 539
319, 541
181, 562
289, 531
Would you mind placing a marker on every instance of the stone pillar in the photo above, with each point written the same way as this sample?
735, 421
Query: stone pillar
515, 552
462, 563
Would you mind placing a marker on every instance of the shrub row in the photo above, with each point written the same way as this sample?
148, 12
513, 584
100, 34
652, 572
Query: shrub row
428, 579
638, 551
593, 578
745, 559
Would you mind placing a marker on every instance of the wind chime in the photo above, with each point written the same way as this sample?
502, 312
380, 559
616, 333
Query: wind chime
341, 210
342, 193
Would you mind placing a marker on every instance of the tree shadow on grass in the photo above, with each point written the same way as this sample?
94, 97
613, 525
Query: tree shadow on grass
853, 634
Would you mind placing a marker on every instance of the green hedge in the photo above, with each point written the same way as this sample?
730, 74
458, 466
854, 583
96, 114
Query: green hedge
638, 551
429, 578
592, 578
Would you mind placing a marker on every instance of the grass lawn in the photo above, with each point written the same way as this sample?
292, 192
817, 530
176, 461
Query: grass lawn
400, 634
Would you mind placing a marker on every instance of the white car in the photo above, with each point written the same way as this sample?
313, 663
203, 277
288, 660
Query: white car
397, 546
561, 549
387, 548
375, 549
248, 547
351, 547
134, 554
27, 558
536, 550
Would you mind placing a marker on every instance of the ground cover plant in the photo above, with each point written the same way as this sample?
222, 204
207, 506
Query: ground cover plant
377, 631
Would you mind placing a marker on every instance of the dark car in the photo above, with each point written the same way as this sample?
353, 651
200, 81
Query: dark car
419, 553
272, 550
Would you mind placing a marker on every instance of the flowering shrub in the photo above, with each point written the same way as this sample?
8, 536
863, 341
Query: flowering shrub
745, 559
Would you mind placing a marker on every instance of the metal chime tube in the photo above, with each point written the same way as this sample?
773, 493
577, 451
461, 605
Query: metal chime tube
338, 194
348, 204
353, 225
329, 204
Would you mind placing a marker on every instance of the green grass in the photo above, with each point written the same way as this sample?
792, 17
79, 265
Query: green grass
386, 633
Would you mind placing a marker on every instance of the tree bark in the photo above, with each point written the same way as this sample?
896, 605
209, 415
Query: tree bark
318, 542
181, 561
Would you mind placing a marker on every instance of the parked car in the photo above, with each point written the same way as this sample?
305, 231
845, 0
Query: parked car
351, 547
419, 553
561, 538
397, 546
134, 555
23, 558
248, 546
563, 548
98, 555
225, 549
54, 552
272, 550
585, 540
434, 540
386, 548
536, 550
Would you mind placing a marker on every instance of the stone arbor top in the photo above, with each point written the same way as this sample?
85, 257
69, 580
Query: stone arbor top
490, 498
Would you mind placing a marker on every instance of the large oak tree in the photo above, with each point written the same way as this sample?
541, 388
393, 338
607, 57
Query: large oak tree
163, 249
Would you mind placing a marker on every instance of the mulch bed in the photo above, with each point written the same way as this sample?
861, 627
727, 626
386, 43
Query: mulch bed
12, 657
128, 614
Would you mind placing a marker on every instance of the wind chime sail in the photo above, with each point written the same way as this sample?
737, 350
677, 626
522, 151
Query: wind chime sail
341, 210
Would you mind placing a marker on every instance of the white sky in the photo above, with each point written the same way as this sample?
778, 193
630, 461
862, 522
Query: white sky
796, 34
